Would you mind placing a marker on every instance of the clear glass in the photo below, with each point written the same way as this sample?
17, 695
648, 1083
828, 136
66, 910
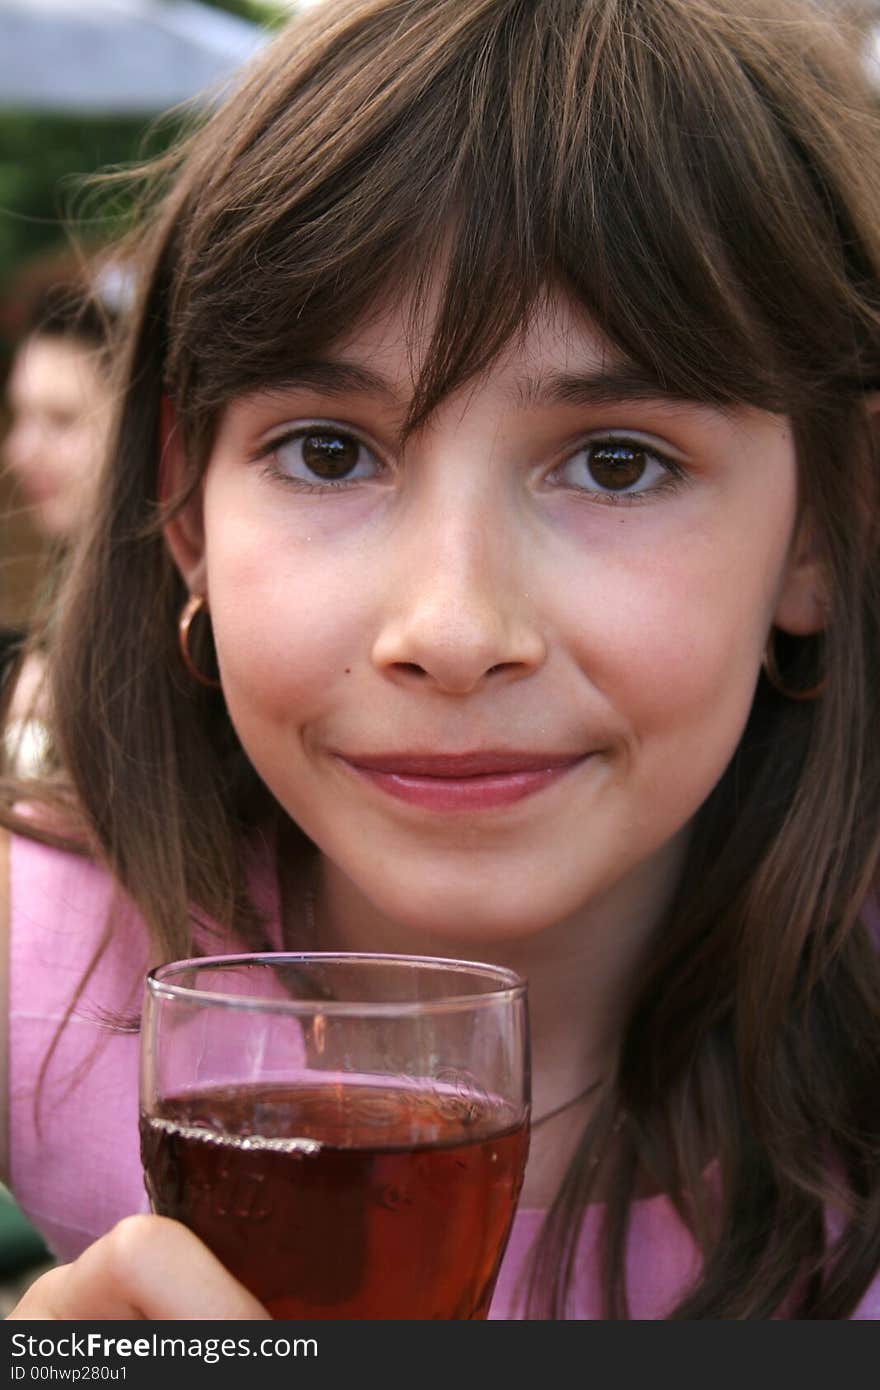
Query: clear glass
347, 1133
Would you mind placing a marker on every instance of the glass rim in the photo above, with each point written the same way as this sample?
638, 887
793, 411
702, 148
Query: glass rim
510, 985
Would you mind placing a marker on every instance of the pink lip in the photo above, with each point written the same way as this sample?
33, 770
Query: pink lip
38, 489
463, 781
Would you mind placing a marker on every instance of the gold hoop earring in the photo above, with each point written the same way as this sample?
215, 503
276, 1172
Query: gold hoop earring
194, 604
771, 671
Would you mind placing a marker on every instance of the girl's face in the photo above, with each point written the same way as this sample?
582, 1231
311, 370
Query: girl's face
60, 407
494, 672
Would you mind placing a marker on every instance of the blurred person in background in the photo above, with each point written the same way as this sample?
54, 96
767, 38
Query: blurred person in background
59, 402
60, 406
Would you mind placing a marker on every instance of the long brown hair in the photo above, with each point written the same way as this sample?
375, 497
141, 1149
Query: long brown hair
701, 176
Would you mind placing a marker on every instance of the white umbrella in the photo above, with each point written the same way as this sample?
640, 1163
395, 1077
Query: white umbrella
118, 56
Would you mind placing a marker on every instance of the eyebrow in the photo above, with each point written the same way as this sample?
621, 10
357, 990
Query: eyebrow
605, 385
338, 379
612, 382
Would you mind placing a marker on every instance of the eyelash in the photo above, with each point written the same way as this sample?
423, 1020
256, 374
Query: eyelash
268, 452
674, 475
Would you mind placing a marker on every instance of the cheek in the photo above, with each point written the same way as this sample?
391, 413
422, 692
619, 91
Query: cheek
80, 455
674, 641
287, 632
677, 680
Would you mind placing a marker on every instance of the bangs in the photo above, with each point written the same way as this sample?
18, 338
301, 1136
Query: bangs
654, 162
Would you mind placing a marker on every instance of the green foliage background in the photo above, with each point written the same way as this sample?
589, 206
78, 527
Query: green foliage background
46, 161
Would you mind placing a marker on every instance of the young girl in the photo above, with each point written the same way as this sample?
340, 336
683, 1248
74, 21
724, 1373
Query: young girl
487, 565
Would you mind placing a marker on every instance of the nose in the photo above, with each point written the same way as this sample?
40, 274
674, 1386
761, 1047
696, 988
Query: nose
459, 615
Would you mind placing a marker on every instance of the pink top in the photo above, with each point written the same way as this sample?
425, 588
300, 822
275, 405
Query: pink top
75, 1165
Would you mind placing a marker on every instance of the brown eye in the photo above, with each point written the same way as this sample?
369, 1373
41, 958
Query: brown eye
615, 469
321, 456
617, 466
330, 456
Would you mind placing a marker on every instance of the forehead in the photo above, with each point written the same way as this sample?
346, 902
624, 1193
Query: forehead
556, 356
53, 371
395, 338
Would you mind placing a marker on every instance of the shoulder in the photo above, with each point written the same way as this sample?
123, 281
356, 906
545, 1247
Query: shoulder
77, 953
66, 918
75, 950
48, 884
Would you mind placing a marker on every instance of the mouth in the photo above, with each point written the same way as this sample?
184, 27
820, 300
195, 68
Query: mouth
462, 781
37, 488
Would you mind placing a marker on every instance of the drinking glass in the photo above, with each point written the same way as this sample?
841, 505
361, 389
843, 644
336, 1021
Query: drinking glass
348, 1133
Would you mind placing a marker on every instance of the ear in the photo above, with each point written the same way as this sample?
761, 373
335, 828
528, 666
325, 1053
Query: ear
184, 533
804, 599
802, 604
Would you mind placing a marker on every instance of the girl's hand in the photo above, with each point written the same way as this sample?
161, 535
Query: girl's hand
146, 1267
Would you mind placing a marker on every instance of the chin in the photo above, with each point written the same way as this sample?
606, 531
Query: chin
472, 919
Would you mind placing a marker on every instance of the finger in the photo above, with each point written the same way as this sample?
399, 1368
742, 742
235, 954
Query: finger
147, 1267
